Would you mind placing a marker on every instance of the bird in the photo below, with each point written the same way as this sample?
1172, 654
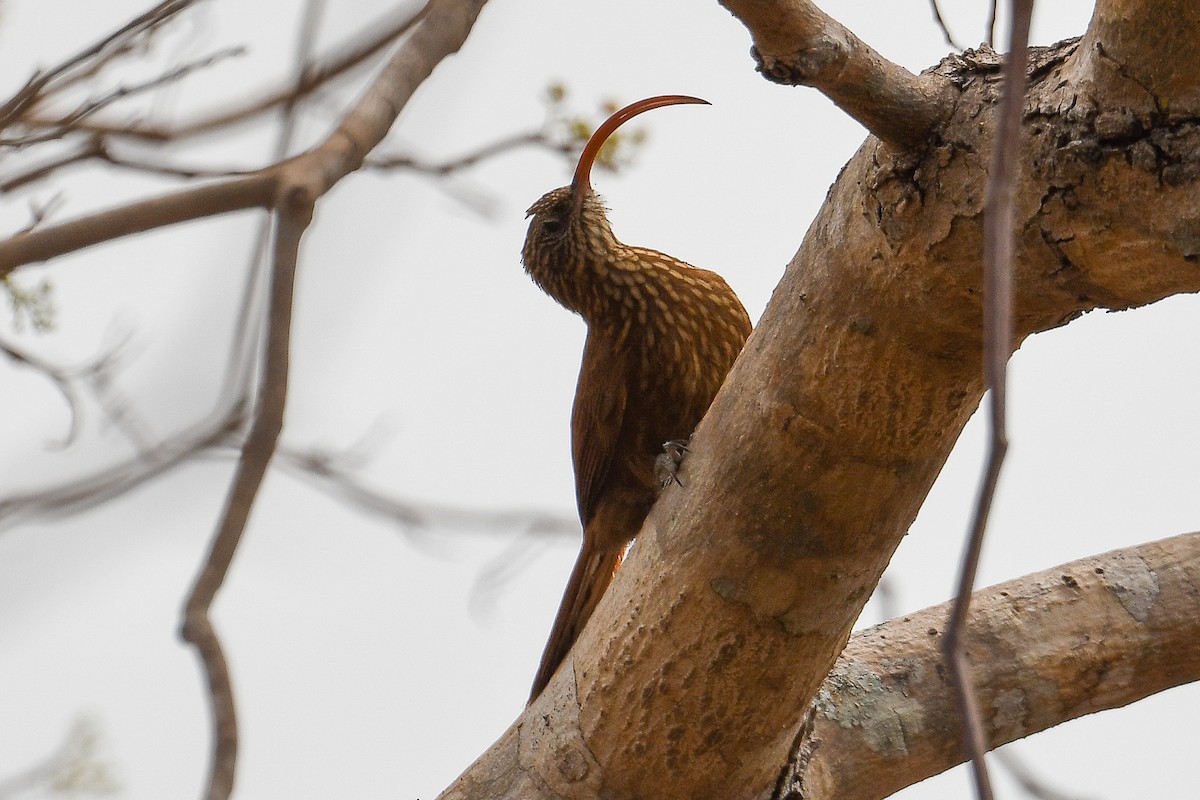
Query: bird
661, 337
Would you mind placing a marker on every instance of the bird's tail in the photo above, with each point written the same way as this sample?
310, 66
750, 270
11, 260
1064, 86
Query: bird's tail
590, 578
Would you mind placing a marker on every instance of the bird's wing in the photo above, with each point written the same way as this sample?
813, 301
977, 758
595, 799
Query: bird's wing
596, 420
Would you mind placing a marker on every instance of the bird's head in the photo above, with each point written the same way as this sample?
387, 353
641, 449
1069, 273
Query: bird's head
571, 221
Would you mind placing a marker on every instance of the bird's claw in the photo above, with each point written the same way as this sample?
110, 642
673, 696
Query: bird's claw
666, 465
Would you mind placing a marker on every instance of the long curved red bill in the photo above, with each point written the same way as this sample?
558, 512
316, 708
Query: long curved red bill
583, 171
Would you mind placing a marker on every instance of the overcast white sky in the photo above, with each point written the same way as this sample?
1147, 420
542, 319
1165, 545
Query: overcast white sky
360, 668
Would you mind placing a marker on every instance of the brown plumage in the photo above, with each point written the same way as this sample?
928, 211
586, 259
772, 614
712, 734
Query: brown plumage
661, 337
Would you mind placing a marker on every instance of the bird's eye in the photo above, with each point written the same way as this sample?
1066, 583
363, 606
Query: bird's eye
552, 226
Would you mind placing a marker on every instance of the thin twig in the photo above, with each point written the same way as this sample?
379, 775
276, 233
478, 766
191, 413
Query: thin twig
96, 148
42, 83
59, 377
53, 129
222, 427
1033, 785
369, 41
244, 348
96, 375
324, 471
305, 45
239, 376
529, 139
92, 147
167, 170
292, 221
42, 210
999, 239
100, 379
78, 495
257, 452
991, 23
941, 23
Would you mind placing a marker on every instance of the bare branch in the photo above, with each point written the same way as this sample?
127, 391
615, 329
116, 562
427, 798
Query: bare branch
59, 377
307, 40
104, 153
370, 40
96, 378
448, 25
250, 191
292, 220
817, 453
886, 718
323, 471
301, 182
530, 139
333, 474
92, 147
96, 148
941, 23
795, 43
309, 77
52, 129
999, 240
75, 496
88, 60
1032, 784
1138, 62
443, 29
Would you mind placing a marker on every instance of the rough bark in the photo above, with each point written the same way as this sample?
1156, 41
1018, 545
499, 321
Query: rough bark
796, 43
1094, 634
740, 593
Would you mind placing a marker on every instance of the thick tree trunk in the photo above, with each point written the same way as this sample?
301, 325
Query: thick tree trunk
693, 676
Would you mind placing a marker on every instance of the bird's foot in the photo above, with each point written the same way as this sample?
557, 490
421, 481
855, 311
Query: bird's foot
666, 466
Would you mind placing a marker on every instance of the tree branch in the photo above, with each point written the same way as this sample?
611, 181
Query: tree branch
322, 470
301, 183
47, 130
531, 139
87, 61
941, 23
74, 496
92, 147
96, 377
1134, 60
885, 717
441, 33
817, 453
42, 244
62, 378
999, 238
374, 37
797, 44
292, 220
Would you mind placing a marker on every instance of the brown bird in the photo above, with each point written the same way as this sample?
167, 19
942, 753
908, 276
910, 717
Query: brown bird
661, 337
